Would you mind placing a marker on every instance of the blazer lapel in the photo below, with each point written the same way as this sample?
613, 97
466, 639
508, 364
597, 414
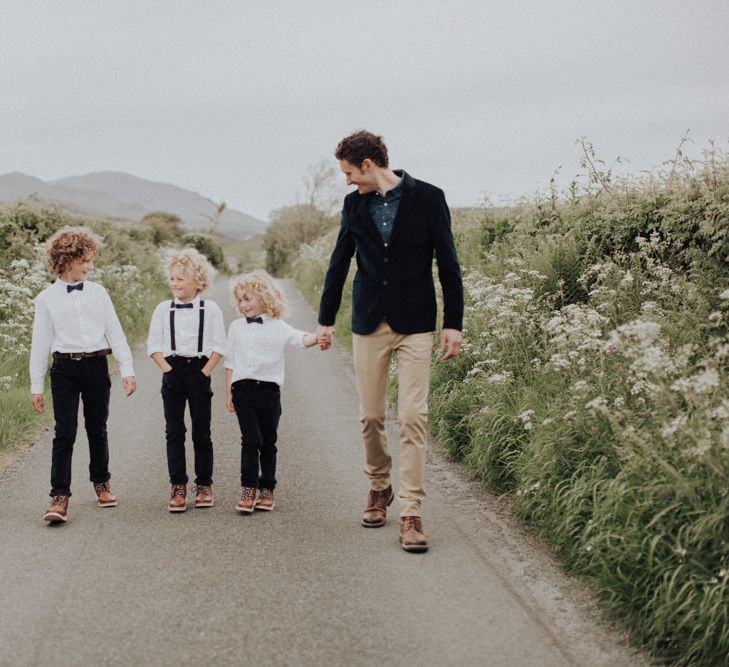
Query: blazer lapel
409, 195
362, 214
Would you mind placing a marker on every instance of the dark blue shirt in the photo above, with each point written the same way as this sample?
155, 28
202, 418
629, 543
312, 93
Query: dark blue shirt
384, 209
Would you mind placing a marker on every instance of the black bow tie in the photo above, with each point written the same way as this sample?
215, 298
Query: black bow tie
183, 305
78, 286
250, 320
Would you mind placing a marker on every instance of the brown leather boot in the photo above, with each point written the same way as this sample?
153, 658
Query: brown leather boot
204, 495
265, 500
58, 511
411, 535
247, 500
375, 514
104, 496
178, 498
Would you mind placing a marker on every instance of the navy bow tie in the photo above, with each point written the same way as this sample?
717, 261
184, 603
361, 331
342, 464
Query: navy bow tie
78, 286
183, 305
250, 320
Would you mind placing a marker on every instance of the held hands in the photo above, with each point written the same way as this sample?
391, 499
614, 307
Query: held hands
450, 341
324, 336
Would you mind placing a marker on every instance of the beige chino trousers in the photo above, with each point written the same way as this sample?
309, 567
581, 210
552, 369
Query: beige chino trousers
372, 354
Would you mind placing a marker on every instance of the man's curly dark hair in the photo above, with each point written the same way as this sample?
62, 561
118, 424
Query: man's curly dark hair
361, 145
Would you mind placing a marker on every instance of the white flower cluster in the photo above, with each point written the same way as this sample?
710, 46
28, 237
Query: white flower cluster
18, 286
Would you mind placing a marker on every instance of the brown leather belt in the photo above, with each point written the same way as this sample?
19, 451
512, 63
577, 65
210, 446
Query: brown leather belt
81, 355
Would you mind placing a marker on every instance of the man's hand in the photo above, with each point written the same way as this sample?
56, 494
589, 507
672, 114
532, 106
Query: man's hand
229, 403
450, 341
129, 384
37, 400
324, 336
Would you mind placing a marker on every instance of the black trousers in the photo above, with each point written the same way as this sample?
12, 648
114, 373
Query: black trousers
258, 407
186, 384
87, 379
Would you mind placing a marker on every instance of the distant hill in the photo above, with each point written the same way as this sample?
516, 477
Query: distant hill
111, 194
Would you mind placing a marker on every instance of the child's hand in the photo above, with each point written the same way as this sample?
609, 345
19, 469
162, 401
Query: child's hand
37, 400
229, 403
324, 336
129, 384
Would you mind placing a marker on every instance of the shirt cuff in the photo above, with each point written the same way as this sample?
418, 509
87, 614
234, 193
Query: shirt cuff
126, 370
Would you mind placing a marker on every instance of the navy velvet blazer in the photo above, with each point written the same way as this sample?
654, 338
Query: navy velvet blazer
395, 283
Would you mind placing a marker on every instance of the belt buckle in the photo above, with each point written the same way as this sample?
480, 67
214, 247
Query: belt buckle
77, 356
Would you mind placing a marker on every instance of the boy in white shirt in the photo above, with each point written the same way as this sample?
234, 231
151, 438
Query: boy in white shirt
76, 321
187, 340
254, 374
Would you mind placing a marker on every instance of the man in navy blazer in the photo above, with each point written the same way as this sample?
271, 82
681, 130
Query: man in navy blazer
394, 225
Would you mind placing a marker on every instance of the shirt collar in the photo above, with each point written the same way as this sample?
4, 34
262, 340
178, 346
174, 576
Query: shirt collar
397, 190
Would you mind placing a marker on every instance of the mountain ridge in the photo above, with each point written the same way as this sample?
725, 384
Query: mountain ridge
116, 194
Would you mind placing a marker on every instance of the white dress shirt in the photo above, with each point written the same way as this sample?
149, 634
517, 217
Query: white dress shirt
78, 321
256, 351
187, 326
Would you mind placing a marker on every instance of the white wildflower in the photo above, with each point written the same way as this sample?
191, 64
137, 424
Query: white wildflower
669, 429
706, 381
597, 403
526, 419
721, 411
504, 377
580, 387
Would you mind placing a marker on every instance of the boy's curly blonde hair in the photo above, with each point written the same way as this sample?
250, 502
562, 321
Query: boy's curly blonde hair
68, 244
258, 282
192, 263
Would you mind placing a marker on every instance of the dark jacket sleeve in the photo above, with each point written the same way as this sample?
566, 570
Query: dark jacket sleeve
339, 262
449, 271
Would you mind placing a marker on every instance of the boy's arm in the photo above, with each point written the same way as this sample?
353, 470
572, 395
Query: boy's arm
42, 338
229, 390
160, 360
156, 335
214, 360
310, 339
119, 346
217, 333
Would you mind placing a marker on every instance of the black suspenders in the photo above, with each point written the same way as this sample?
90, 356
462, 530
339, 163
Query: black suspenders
200, 328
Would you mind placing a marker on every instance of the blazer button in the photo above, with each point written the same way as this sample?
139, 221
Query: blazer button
384, 282
387, 259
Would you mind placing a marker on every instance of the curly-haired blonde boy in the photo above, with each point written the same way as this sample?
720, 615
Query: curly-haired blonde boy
187, 340
253, 379
76, 321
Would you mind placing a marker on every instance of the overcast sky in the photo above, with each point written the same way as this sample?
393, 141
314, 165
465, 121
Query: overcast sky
237, 99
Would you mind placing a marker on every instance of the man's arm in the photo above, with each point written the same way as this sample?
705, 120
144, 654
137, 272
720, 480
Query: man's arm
449, 275
339, 262
449, 271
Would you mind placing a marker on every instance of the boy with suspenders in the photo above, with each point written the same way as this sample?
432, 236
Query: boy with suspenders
187, 340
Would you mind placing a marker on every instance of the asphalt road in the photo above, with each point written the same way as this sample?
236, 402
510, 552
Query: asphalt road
302, 585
